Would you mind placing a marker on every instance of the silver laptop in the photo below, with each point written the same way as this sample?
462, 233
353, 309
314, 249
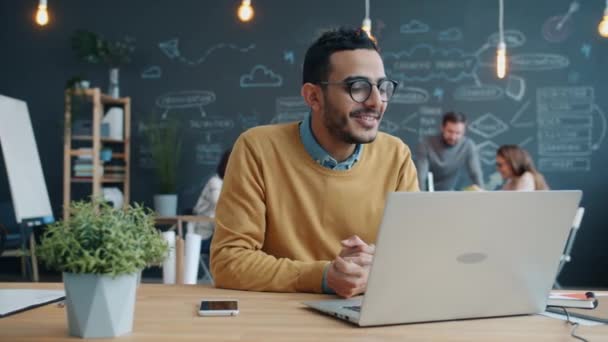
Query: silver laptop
459, 255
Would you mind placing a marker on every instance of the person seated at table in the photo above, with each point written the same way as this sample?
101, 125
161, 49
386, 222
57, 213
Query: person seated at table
302, 201
517, 169
207, 202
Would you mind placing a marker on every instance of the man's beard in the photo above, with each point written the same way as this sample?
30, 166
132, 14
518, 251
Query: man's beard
336, 125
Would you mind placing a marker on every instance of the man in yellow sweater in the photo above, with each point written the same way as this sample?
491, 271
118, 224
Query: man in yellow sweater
302, 202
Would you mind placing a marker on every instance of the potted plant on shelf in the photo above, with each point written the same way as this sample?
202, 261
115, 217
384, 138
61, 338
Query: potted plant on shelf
101, 251
165, 149
93, 48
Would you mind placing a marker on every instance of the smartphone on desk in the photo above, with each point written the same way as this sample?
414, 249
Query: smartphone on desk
219, 307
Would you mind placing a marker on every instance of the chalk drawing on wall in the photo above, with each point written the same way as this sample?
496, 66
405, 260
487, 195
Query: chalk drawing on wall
151, 73
405, 123
388, 126
586, 50
249, 121
557, 28
414, 27
516, 87
565, 121
487, 152
526, 142
438, 94
452, 34
185, 99
171, 49
208, 153
290, 109
517, 121
289, 56
410, 95
261, 77
478, 93
604, 123
538, 62
424, 62
430, 121
565, 164
488, 126
513, 39
211, 125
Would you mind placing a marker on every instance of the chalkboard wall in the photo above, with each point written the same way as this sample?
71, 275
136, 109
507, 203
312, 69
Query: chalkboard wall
196, 63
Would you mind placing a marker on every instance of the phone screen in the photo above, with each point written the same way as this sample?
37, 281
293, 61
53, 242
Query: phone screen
213, 305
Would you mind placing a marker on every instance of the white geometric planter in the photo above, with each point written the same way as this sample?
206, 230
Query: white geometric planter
99, 305
165, 205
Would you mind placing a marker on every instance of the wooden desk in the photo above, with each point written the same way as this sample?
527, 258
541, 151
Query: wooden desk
169, 313
179, 239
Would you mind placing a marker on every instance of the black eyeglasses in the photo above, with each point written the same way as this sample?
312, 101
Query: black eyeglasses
361, 89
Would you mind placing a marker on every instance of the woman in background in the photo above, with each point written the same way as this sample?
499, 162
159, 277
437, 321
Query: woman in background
517, 169
207, 202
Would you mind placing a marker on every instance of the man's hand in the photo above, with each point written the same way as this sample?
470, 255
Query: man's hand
348, 273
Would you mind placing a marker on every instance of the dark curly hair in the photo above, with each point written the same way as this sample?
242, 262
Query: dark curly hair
316, 62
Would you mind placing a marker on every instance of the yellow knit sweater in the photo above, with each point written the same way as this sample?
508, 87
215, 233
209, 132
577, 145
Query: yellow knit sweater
281, 216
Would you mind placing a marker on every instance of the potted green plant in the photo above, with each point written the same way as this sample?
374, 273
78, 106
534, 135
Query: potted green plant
93, 48
101, 251
165, 148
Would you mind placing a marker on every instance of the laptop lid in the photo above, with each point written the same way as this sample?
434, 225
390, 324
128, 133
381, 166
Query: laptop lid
457, 255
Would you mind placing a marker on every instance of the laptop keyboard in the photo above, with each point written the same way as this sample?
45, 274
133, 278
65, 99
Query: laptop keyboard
356, 308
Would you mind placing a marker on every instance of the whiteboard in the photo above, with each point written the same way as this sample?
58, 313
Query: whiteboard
26, 181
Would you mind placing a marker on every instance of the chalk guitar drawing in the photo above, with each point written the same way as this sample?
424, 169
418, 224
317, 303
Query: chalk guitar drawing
171, 49
185, 99
557, 28
261, 77
152, 73
414, 27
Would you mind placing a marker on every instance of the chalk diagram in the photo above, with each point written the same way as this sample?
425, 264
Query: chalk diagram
290, 109
180, 100
171, 49
211, 125
152, 72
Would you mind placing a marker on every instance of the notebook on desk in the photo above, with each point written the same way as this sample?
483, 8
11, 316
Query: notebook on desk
459, 255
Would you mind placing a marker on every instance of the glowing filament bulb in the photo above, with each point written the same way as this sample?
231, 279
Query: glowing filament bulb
501, 60
245, 12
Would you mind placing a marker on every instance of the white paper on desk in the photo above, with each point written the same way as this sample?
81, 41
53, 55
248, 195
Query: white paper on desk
169, 263
580, 321
13, 300
193, 255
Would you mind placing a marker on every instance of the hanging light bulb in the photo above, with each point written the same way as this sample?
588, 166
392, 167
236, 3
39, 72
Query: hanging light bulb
603, 26
245, 11
367, 22
501, 50
501, 60
42, 16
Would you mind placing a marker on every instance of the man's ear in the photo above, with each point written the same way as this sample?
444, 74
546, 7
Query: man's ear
313, 96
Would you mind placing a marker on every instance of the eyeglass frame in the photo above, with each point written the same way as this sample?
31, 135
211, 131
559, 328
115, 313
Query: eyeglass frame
349, 87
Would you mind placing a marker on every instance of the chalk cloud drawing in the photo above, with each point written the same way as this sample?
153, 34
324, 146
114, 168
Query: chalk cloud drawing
517, 122
410, 95
487, 152
558, 28
452, 34
488, 126
171, 49
478, 93
151, 73
414, 27
185, 99
513, 38
424, 62
261, 77
516, 87
290, 109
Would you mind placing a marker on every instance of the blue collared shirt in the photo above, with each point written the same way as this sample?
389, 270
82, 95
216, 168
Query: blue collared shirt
324, 159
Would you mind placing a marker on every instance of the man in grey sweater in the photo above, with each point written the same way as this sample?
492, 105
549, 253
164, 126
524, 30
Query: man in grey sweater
446, 154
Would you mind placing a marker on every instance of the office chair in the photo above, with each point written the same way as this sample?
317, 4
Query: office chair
566, 257
18, 241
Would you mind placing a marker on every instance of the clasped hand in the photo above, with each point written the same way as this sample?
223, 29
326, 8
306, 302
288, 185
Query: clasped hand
348, 273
